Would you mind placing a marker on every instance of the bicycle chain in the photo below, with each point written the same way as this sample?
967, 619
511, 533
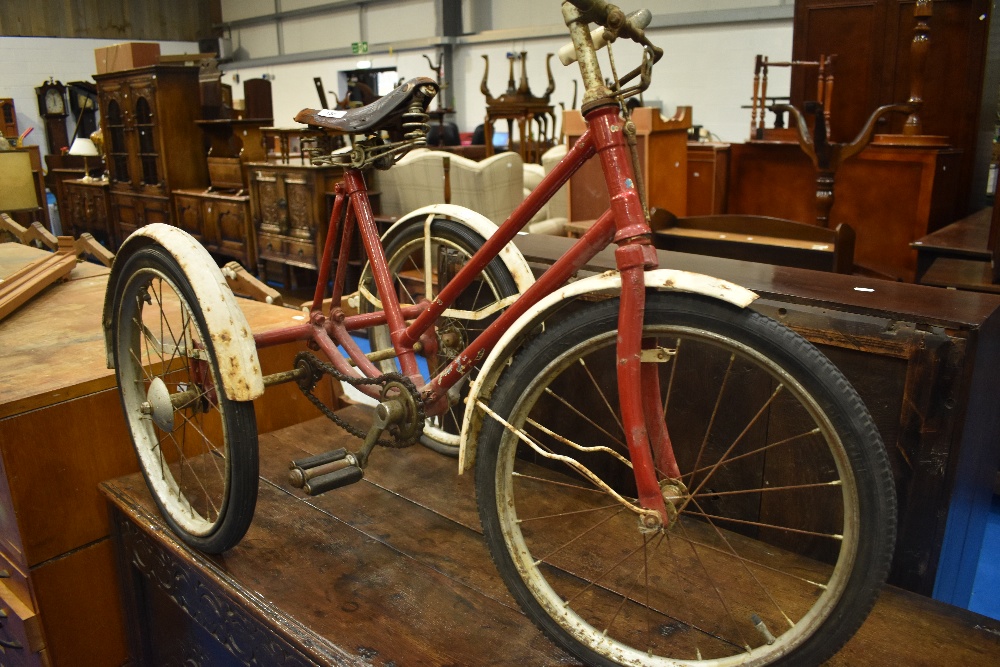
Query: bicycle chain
399, 441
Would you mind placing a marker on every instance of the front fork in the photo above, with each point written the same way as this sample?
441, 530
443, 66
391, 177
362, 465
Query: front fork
639, 391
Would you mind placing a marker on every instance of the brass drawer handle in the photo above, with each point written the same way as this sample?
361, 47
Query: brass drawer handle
4, 574
10, 643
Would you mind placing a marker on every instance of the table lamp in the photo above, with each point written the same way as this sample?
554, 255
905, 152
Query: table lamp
17, 182
86, 148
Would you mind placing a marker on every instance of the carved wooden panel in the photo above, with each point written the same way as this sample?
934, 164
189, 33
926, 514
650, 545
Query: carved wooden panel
189, 215
156, 572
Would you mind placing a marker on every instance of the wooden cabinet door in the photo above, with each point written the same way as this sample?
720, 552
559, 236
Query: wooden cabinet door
115, 110
269, 202
74, 213
300, 191
189, 219
100, 224
149, 172
229, 222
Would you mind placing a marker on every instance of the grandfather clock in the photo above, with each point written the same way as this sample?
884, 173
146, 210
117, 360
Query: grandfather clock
52, 107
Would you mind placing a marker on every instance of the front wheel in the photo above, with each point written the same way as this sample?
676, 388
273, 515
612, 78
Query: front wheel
197, 448
781, 526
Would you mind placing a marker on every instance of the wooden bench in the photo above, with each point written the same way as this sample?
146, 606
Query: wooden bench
961, 255
757, 238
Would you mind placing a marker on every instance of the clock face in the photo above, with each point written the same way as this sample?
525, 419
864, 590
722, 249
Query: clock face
54, 102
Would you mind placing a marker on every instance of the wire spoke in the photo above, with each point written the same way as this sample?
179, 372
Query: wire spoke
760, 450
746, 568
711, 421
602, 395
585, 417
761, 524
749, 561
737, 441
764, 489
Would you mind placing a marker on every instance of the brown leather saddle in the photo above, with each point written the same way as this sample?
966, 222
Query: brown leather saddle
383, 113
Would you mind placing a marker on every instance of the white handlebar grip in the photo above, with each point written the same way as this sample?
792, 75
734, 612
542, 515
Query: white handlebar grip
639, 19
567, 54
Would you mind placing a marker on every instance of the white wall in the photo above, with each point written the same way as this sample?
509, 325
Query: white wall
336, 28
27, 62
707, 67
292, 87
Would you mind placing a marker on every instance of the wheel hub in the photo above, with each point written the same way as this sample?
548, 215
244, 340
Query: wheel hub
675, 494
158, 405
452, 338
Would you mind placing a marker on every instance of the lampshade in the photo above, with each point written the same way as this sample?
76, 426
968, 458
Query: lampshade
17, 184
83, 146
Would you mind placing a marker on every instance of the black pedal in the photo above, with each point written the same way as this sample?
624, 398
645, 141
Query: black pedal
333, 480
301, 470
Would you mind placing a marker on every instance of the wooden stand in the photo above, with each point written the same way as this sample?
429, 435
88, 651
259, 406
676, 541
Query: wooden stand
891, 196
518, 106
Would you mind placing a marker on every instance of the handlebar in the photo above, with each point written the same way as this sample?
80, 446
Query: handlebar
634, 24
578, 15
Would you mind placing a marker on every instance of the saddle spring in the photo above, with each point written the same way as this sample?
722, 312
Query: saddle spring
416, 123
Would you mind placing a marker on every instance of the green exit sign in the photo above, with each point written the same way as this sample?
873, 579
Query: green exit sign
359, 47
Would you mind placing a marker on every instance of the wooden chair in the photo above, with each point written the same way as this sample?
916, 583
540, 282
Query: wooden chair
757, 238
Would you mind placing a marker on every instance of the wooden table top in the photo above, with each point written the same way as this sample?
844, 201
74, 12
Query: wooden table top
396, 565
969, 236
52, 348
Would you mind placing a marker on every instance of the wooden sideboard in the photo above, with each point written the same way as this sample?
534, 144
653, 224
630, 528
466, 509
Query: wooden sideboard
890, 195
85, 206
924, 360
290, 205
394, 571
61, 433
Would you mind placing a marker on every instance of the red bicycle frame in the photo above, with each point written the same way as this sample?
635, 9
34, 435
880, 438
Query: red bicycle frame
623, 223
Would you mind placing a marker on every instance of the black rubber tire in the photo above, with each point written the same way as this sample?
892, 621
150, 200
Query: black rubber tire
457, 235
238, 497
824, 383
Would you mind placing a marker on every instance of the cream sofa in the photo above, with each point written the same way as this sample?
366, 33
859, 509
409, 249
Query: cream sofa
492, 187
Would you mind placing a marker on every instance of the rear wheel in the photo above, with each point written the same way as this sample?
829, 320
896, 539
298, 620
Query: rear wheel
197, 449
447, 247
781, 525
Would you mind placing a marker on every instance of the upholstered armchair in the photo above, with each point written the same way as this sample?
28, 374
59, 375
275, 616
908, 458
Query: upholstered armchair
492, 187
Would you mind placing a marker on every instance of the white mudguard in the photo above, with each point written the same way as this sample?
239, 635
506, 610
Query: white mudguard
510, 255
227, 326
604, 285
